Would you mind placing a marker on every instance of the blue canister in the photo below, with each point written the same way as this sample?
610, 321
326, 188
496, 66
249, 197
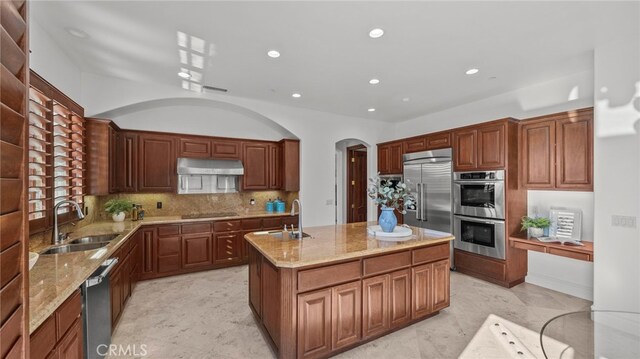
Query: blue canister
269, 206
280, 206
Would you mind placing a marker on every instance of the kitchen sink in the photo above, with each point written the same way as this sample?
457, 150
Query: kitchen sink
68, 248
281, 234
94, 239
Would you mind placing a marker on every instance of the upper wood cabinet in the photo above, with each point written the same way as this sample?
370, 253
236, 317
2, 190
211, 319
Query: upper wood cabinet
482, 147
275, 166
390, 158
226, 149
128, 162
256, 165
427, 142
556, 151
290, 167
100, 149
194, 147
156, 163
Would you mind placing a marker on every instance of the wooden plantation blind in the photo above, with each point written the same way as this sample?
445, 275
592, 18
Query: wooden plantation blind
57, 154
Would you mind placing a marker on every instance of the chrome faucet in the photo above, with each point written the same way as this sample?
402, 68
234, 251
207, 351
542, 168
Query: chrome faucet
56, 237
298, 234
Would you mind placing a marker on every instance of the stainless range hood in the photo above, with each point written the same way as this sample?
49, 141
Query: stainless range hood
208, 176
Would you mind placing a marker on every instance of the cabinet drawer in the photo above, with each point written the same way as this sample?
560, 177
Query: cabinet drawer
431, 254
43, 340
272, 223
226, 226
570, 254
481, 265
67, 313
252, 224
196, 228
170, 230
528, 247
325, 276
386, 263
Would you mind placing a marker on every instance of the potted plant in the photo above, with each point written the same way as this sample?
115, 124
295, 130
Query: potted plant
118, 208
535, 225
390, 198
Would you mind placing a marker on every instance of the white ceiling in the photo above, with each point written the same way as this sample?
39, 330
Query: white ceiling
326, 52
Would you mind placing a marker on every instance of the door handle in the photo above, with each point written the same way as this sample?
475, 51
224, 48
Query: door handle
423, 199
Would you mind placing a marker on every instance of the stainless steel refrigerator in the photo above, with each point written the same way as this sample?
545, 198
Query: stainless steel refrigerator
428, 176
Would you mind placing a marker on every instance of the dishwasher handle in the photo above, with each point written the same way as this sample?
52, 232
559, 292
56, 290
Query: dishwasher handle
109, 263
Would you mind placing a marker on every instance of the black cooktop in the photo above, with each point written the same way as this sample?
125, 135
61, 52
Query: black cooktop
209, 215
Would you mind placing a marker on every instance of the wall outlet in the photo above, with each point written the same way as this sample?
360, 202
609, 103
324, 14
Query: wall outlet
623, 221
329, 202
86, 210
159, 205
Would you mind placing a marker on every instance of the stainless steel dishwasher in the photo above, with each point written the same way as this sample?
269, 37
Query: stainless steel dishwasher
96, 311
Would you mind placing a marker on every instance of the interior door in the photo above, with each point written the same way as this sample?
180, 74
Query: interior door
413, 179
357, 184
436, 186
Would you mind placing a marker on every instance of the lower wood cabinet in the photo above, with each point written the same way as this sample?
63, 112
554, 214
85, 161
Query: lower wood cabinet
399, 298
197, 250
346, 318
169, 254
228, 247
116, 288
431, 288
255, 291
60, 336
314, 324
375, 306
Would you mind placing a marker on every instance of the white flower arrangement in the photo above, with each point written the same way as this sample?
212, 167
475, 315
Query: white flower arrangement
385, 194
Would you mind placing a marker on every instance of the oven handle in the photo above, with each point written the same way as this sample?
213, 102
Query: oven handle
480, 220
478, 182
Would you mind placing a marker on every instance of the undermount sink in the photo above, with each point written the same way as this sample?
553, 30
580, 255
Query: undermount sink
94, 239
281, 234
68, 248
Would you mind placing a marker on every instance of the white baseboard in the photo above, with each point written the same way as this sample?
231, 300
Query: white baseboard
563, 286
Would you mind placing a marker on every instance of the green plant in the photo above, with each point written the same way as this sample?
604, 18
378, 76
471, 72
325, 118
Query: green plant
384, 193
115, 206
535, 222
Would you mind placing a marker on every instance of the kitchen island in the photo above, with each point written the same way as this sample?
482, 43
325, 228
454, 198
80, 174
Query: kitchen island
342, 287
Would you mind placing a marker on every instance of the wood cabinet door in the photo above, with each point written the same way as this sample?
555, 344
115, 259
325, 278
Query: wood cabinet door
346, 314
574, 153
156, 163
115, 152
275, 166
537, 154
438, 140
194, 147
225, 149
422, 298
256, 165
129, 182
255, 293
395, 158
314, 324
115, 286
149, 254
400, 297
465, 150
384, 166
440, 284
169, 254
375, 305
126, 278
197, 250
290, 167
71, 345
228, 247
491, 142
415, 144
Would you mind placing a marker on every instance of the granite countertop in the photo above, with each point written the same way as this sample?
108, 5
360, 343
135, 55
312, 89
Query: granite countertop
335, 243
56, 276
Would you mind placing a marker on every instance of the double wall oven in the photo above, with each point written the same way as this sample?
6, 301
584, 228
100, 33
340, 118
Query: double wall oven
479, 212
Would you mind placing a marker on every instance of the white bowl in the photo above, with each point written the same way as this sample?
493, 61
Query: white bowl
33, 258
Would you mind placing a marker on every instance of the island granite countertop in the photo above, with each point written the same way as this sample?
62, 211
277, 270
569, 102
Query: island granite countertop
336, 243
56, 276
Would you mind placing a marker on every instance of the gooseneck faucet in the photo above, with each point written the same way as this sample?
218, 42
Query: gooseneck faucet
56, 237
297, 235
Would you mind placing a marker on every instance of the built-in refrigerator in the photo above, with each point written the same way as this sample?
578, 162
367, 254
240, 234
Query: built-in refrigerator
428, 176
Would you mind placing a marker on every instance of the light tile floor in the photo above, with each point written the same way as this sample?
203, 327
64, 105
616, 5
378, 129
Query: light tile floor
205, 315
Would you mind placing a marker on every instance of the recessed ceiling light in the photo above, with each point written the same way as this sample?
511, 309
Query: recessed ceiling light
371, 110
406, 99
77, 32
184, 75
374, 81
296, 95
273, 53
472, 71
376, 33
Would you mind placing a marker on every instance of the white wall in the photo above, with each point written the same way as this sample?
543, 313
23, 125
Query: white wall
617, 167
317, 131
562, 94
54, 65
563, 274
